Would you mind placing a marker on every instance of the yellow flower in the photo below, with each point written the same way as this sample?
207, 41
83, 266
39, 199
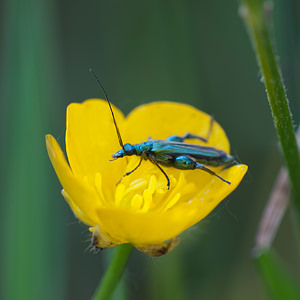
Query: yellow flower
139, 209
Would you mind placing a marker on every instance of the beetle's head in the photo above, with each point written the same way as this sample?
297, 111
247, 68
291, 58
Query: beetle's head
127, 151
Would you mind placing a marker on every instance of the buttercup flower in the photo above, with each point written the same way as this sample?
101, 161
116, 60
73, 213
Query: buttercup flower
137, 209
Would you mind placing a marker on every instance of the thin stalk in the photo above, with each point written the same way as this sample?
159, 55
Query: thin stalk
113, 274
279, 282
257, 14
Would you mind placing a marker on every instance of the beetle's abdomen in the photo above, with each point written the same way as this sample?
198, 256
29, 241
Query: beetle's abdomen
221, 160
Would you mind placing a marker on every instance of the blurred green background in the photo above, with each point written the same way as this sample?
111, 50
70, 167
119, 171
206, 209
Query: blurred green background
195, 52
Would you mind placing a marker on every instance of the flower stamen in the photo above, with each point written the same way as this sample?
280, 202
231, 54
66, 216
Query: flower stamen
172, 202
148, 193
138, 183
119, 194
136, 201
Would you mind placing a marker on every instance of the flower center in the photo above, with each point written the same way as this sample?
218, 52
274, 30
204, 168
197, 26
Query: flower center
146, 189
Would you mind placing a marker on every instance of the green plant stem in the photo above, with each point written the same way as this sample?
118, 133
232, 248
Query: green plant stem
256, 14
279, 282
114, 272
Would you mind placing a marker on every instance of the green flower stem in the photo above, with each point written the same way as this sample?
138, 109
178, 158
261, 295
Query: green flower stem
256, 14
114, 272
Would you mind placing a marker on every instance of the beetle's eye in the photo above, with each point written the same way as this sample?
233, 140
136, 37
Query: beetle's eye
129, 149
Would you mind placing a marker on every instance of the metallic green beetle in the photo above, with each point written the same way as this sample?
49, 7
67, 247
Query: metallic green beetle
173, 151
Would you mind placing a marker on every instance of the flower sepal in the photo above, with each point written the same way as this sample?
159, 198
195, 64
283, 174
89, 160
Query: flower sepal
100, 240
156, 250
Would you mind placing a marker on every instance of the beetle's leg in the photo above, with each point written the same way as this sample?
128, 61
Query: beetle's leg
202, 167
180, 139
185, 162
152, 159
177, 138
128, 173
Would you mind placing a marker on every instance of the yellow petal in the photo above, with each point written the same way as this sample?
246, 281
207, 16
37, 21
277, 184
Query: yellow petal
80, 193
139, 228
91, 139
162, 119
152, 228
203, 203
77, 212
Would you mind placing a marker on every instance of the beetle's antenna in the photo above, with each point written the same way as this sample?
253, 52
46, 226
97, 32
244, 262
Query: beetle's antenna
112, 113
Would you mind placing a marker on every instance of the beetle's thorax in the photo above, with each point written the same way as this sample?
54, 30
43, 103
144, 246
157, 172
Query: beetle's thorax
143, 147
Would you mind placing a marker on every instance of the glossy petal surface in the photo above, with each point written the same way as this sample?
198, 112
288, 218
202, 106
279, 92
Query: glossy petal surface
91, 139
